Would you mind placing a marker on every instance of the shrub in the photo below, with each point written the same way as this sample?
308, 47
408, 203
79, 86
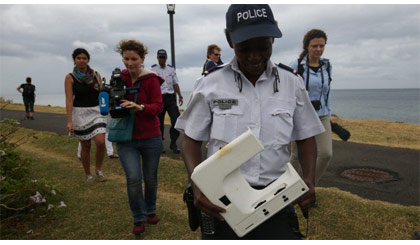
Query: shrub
21, 196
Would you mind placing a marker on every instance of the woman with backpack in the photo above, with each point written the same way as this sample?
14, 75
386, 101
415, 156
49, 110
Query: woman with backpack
316, 73
28, 95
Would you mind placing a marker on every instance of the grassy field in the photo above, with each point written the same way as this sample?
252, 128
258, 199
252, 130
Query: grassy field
100, 210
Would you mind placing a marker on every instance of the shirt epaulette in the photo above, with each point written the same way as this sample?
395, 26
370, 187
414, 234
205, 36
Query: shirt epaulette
154, 65
287, 68
169, 65
213, 69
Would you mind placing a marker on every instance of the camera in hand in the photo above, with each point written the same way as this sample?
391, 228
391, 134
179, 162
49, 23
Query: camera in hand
110, 97
117, 93
316, 104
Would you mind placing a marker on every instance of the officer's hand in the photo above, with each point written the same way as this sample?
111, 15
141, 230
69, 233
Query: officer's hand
202, 203
307, 201
181, 101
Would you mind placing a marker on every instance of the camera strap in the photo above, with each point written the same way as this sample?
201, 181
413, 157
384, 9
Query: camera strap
322, 79
329, 82
301, 69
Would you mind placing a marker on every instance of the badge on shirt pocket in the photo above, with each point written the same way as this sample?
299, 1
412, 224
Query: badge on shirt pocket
224, 104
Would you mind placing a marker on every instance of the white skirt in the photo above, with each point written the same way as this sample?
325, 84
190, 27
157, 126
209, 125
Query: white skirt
88, 122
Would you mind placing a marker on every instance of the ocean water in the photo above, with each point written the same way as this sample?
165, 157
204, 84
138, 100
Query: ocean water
396, 105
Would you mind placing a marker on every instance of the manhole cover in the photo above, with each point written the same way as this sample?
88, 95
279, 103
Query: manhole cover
368, 175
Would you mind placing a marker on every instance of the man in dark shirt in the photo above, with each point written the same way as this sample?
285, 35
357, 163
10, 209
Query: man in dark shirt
28, 95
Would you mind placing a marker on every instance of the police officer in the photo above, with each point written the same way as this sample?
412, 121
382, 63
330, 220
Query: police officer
252, 92
168, 89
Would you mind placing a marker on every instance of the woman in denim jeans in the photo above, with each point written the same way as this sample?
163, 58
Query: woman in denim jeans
140, 156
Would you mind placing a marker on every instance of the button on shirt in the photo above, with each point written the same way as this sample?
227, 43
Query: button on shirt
316, 90
169, 74
274, 118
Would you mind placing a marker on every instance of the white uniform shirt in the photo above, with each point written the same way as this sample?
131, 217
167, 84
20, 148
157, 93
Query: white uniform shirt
169, 74
274, 118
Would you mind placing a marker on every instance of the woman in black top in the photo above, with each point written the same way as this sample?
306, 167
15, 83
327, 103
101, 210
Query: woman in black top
83, 117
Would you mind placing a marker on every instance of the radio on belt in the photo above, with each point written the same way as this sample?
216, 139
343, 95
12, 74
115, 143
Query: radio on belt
219, 178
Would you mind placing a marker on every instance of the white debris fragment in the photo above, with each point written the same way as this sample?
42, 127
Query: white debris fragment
50, 206
37, 198
62, 205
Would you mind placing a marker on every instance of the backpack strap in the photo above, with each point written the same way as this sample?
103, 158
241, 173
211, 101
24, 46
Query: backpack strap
329, 73
329, 81
300, 69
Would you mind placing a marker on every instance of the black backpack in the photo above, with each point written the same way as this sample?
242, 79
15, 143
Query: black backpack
28, 90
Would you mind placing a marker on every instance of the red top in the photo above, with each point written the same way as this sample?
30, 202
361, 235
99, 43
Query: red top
146, 122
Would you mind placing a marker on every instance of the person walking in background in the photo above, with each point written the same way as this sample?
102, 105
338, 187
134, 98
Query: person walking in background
28, 95
83, 117
168, 89
251, 92
316, 73
140, 157
213, 58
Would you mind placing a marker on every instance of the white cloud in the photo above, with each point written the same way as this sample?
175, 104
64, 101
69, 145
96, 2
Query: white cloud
370, 46
90, 46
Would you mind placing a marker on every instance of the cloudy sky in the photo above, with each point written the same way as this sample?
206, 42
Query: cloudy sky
370, 46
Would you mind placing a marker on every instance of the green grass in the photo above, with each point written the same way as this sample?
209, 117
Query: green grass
100, 210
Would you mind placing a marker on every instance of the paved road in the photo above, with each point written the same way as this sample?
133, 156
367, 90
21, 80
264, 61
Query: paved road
404, 163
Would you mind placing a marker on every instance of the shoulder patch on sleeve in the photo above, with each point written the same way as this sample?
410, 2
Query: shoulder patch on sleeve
213, 69
287, 68
154, 65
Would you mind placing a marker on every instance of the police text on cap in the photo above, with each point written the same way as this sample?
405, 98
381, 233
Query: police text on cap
255, 13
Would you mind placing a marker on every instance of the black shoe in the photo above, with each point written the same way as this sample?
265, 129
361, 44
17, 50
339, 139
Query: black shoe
32, 118
174, 148
163, 152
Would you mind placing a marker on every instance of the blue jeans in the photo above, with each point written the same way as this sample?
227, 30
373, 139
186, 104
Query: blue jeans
149, 150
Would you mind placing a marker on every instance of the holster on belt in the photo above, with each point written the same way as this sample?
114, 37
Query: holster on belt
193, 212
